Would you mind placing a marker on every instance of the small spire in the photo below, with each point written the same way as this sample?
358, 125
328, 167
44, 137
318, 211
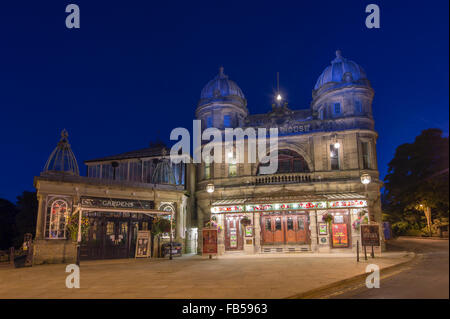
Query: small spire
64, 134
221, 71
339, 54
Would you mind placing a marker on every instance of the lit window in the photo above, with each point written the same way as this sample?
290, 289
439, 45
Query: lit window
334, 157
57, 215
207, 170
232, 169
209, 122
365, 155
337, 108
227, 121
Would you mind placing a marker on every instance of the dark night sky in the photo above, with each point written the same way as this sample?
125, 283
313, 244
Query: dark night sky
136, 68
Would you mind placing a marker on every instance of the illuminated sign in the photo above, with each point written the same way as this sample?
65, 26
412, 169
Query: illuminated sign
347, 203
228, 209
286, 206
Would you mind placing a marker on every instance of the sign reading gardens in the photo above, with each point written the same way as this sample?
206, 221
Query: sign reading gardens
100, 202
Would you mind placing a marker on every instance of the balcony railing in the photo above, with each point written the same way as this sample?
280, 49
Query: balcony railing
285, 178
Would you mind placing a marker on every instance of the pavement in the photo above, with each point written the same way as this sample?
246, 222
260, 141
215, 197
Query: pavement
426, 277
191, 277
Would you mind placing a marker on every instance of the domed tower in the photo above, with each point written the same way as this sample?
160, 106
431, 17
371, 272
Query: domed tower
222, 103
342, 90
62, 160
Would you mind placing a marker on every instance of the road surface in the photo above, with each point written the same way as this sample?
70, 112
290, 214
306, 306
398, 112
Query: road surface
426, 277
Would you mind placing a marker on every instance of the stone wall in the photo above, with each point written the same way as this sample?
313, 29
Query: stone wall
54, 251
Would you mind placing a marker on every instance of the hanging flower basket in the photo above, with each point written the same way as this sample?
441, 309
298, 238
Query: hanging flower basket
245, 221
356, 224
327, 218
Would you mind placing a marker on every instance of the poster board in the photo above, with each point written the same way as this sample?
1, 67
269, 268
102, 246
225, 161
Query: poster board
323, 229
339, 235
248, 231
370, 235
143, 244
209, 242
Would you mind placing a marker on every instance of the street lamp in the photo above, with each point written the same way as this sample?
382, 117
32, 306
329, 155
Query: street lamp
210, 190
365, 180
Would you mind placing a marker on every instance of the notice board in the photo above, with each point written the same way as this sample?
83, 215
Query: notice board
143, 244
209, 241
370, 235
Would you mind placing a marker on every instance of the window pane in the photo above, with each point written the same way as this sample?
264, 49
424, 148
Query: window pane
278, 223
232, 170
290, 223
365, 154
268, 224
337, 108
301, 223
334, 157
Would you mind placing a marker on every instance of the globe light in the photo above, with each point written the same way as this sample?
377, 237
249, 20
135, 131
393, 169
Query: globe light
230, 154
366, 179
337, 145
279, 98
210, 188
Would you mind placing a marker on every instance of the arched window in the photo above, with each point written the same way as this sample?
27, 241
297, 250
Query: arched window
168, 207
57, 215
290, 162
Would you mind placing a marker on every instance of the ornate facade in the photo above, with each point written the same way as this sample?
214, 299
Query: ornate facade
323, 151
312, 203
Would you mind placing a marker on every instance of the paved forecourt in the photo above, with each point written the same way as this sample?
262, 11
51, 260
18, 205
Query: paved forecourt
265, 276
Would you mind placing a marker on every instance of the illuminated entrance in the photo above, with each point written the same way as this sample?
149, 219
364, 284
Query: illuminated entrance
285, 228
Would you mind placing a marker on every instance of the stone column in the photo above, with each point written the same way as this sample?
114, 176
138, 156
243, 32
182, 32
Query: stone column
257, 233
40, 223
313, 230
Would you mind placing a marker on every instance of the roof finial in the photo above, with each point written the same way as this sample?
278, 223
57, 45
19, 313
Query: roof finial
221, 71
338, 54
64, 134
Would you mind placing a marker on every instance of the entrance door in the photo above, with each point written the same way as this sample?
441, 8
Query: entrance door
302, 231
267, 230
273, 231
278, 229
297, 229
116, 239
233, 233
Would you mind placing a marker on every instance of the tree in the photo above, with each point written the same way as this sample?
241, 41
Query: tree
417, 180
7, 223
27, 210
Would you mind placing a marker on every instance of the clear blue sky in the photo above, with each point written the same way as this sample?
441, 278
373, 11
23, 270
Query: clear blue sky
136, 68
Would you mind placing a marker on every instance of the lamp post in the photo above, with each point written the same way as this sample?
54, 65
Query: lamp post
427, 210
171, 237
365, 180
210, 190
79, 235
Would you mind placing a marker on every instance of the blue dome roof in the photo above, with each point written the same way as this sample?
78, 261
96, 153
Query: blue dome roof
221, 86
338, 68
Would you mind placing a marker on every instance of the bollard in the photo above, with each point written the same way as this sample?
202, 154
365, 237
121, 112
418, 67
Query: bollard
372, 254
357, 250
11, 256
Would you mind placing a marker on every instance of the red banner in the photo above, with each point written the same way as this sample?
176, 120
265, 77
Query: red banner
340, 236
209, 241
